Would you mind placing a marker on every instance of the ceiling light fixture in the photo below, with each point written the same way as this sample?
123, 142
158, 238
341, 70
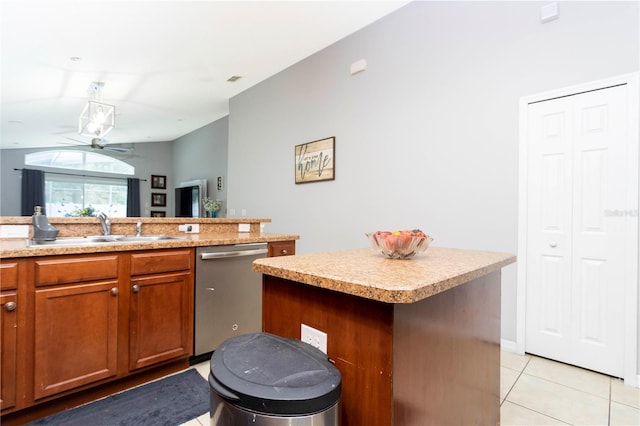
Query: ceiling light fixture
97, 118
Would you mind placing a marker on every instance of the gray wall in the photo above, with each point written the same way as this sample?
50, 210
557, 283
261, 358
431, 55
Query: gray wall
427, 136
148, 158
202, 154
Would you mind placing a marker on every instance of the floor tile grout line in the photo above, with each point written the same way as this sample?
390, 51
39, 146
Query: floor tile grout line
609, 417
522, 372
568, 387
515, 381
626, 405
615, 379
541, 413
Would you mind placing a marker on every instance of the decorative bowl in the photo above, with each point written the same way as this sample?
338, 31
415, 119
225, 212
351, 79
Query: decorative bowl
399, 244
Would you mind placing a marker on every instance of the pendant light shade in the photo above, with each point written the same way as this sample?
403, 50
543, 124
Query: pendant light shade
97, 119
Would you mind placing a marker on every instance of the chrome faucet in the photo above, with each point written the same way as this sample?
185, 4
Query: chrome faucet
138, 229
105, 222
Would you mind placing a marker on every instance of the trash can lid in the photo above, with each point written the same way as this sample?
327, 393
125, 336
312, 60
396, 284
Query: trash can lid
274, 375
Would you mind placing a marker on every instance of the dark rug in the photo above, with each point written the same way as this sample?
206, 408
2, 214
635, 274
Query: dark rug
170, 401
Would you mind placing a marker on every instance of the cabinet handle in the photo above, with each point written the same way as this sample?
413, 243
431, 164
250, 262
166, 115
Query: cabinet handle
284, 252
553, 244
10, 306
115, 291
135, 288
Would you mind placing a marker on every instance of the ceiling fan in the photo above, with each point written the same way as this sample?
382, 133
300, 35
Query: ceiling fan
98, 143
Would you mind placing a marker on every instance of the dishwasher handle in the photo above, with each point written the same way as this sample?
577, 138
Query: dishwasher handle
225, 254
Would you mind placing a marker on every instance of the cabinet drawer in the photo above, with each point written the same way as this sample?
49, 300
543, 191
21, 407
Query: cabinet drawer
71, 270
8, 275
155, 261
282, 248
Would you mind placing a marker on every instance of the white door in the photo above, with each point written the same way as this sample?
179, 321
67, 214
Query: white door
578, 172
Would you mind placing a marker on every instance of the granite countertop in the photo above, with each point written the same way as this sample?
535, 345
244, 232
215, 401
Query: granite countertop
14, 248
365, 273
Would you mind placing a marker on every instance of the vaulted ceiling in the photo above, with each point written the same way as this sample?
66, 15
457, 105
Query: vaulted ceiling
164, 64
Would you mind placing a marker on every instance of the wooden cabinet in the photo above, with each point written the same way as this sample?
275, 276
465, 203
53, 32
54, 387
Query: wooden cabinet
12, 337
75, 322
282, 248
161, 307
8, 349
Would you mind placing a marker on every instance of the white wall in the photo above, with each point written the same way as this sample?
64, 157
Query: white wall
427, 136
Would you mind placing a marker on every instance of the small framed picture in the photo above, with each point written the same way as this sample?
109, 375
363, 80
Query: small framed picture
158, 199
158, 213
315, 161
159, 182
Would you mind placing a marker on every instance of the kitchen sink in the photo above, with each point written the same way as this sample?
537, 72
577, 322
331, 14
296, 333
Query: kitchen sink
101, 239
134, 238
75, 241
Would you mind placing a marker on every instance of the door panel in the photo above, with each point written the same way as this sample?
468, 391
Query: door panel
575, 275
160, 319
85, 314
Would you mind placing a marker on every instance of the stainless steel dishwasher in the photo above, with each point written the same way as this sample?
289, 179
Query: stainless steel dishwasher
228, 294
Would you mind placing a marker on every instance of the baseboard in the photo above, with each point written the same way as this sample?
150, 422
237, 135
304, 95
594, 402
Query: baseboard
509, 346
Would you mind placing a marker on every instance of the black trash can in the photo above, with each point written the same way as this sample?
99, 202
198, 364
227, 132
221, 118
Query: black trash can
266, 380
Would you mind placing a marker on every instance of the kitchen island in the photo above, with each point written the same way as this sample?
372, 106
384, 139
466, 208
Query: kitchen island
417, 341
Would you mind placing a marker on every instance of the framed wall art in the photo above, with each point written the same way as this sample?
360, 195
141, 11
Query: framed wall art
315, 161
158, 213
158, 199
158, 182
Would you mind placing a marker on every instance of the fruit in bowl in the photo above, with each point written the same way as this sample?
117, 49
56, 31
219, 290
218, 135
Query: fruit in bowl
399, 244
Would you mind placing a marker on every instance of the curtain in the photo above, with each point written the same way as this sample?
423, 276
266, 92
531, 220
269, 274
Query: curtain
133, 197
32, 191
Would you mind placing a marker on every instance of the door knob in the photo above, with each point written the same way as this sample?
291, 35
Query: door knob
115, 291
10, 306
553, 244
135, 288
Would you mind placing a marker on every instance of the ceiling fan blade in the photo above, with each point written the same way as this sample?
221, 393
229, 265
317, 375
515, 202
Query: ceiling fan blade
103, 144
78, 142
117, 149
97, 143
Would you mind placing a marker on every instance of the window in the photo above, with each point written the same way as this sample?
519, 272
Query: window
79, 160
74, 195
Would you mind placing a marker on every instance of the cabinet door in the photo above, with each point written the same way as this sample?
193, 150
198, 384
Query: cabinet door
8, 350
161, 318
76, 331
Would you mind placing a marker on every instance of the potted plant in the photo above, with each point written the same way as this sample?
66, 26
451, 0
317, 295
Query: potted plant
211, 206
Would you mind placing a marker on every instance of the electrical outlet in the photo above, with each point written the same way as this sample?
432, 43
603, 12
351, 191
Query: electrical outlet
315, 338
193, 228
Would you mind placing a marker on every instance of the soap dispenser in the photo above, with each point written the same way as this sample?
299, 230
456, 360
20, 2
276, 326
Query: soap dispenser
42, 229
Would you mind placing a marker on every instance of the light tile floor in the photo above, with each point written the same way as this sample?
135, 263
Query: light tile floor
537, 391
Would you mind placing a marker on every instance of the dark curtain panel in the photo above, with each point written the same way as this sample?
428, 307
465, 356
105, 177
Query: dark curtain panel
133, 197
32, 191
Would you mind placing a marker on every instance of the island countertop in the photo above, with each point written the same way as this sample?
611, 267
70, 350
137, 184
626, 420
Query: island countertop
364, 273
